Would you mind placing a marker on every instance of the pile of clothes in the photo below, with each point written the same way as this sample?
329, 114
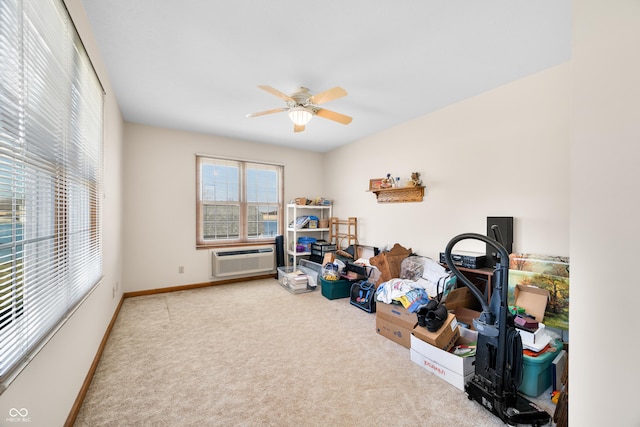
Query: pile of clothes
421, 280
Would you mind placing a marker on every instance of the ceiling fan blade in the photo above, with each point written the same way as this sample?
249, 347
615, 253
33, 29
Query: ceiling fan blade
262, 113
328, 95
276, 92
332, 115
298, 128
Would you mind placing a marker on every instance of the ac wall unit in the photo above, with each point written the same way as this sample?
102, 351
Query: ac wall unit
238, 262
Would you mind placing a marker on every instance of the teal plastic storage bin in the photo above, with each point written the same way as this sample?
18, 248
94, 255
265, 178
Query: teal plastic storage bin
536, 371
334, 289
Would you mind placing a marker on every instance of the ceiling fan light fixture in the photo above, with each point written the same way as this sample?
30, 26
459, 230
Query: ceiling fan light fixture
302, 106
300, 115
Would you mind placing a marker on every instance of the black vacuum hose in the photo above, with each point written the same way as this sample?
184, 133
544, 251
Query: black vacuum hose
504, 255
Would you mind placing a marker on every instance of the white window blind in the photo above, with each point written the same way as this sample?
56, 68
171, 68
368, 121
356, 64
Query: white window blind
51, 138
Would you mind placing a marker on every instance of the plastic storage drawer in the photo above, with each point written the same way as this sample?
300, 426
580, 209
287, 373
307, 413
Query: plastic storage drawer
289, 284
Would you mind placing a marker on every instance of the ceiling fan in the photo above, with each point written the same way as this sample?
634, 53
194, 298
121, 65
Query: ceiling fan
302, 106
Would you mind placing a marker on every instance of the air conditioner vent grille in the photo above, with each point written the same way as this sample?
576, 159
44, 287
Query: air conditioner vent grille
239, 262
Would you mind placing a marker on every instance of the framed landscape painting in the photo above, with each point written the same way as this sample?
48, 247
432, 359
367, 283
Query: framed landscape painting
546, 272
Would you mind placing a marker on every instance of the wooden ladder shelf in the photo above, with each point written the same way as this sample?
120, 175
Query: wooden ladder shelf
340, 236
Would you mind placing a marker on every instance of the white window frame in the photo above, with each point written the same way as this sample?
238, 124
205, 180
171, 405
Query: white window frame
253, 210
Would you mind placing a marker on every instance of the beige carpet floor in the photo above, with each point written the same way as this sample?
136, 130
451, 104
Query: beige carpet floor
253, 354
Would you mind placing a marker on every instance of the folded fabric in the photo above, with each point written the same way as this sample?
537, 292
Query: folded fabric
418, 303
392, 289
413, 299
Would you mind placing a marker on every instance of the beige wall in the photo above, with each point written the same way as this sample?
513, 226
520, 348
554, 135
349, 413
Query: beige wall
604, 213
160, 199
502, 153
49, 385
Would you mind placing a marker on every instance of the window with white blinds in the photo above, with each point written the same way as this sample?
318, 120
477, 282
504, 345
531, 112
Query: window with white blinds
51, 139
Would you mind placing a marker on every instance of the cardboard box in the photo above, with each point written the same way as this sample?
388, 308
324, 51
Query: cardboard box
397, 314
394, 332
465, 317
395, 323
365, 252
532, 337
460, 365
532, 299
444, 338
454, 369
456, 380
461, 297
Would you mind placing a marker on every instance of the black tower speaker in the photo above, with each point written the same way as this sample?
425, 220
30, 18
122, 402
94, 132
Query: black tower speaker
279, 251
504, 237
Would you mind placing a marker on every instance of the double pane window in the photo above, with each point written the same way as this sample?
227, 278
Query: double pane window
239, 202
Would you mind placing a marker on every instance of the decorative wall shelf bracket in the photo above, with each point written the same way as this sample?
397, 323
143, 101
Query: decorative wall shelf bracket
399, 195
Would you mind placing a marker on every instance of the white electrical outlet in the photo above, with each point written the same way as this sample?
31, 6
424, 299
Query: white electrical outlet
181, 269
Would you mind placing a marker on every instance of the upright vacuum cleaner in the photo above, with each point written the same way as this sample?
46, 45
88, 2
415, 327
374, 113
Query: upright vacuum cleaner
499, 349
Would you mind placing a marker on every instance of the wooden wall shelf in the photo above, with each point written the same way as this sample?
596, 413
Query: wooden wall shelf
399, 195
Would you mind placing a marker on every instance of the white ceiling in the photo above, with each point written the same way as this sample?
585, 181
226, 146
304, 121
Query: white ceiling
195, 64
